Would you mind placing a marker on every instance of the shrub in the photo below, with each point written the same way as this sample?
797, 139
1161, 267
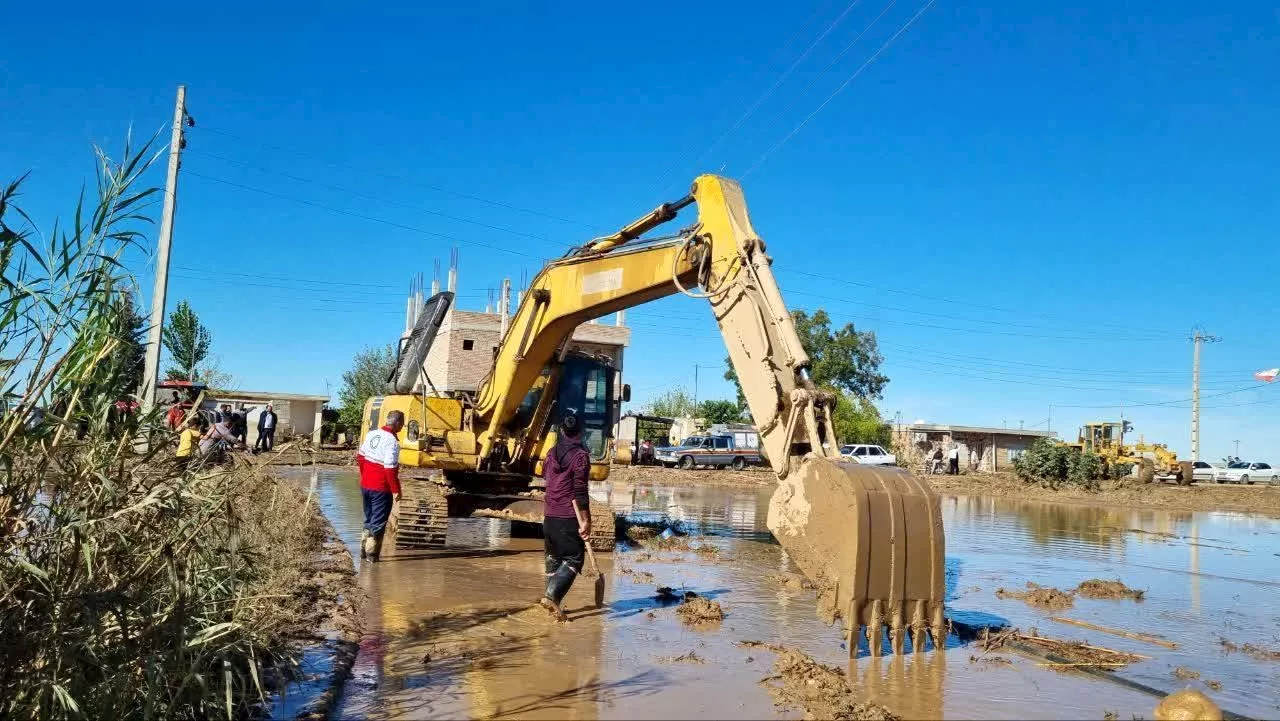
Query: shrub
1052, 464
128, 587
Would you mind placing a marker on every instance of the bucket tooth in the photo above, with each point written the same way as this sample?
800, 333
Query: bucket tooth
938, 628
897, 633
875, 627
919, 626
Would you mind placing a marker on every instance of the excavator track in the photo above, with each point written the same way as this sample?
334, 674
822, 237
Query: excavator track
422, 515
603, 528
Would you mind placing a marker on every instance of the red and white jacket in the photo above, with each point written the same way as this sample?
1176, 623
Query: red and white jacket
379, 461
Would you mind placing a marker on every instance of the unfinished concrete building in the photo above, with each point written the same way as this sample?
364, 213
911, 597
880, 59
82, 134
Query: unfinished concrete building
464, 348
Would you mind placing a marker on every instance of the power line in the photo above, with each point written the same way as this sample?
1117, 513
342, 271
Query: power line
401, 178
1161, 403
837, 91
1100, 371
361, 216
836, 61
766, 94
379, 199
982, 306
387, 286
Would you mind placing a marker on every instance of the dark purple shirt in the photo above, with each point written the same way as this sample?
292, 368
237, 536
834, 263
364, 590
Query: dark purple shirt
565, 470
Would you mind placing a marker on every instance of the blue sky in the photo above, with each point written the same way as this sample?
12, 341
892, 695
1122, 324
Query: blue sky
1031, 205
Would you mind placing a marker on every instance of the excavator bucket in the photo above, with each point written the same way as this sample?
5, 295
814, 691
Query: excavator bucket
871, 540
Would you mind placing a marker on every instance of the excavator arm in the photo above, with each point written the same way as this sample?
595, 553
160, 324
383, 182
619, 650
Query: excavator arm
870, 538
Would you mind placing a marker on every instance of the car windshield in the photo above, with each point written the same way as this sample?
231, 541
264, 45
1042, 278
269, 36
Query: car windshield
846, 450
692, 442
1239, 464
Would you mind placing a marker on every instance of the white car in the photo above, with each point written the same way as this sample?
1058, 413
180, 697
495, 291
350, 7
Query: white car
1203, 471
1245, 472
868, 454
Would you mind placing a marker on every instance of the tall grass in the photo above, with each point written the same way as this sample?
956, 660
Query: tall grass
128, 587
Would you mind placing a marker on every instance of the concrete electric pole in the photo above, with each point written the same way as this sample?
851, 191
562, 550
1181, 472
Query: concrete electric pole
151, 371
1199, 338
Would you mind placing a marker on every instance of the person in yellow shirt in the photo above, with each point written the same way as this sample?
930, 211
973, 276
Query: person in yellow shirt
188, 440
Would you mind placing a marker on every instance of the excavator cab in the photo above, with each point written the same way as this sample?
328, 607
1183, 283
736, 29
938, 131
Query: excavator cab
585, 386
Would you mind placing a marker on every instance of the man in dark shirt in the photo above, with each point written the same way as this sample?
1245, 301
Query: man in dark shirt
566, 521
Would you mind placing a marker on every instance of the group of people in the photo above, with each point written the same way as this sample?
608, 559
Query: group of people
199, 437
566, 523
953, 460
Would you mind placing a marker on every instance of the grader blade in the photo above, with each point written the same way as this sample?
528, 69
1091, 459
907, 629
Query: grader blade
871, 540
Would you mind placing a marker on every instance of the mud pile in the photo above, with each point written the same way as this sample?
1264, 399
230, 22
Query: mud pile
698, 610
698, 477
1059, 654
1109, 590
821, 692
1041, 597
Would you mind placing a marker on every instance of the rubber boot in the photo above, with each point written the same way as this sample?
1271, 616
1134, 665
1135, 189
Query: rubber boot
558, 583
364, 547
375, 547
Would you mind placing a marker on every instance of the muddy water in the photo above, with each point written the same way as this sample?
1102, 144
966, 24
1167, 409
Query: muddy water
449, 633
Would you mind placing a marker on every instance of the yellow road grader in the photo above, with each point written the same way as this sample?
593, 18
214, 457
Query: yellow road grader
1153, 461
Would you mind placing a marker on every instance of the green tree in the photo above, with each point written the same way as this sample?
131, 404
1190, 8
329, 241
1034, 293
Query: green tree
674, 403
187, 341
127, 362
367, 378
857, 420
847, 360
719, 411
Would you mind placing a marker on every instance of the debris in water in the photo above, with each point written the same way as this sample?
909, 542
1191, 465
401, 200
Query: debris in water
1187, 704
698, 610
651, 615
666, 594
1110, 716
1255, 652
690, 657
822, 692
1182, 673
760, 644
706, 550
690, 595
1148, 638
1059, 654
1098, 588
640, 534
991, 660
637, 576
1040, 596
793, 581
1215, 685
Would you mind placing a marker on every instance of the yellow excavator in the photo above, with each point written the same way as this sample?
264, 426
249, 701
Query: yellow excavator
870, 538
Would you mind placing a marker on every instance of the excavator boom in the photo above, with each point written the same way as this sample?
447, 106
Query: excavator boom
870, 538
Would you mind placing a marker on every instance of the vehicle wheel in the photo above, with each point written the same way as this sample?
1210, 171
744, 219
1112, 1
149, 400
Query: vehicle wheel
739, 463
686, 463
1275, 479
1245, 479
1218, 480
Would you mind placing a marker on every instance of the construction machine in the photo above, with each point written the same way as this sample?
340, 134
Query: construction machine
1153, 461
869, 537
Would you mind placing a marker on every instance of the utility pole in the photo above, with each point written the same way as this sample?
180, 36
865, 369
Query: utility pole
1198, 339
695, 390
1050, 426
151, 371
1237, 442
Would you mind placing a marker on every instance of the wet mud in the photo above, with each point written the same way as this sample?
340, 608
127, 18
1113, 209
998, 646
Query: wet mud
1051, 599
699, 612
1115, 590
453, 633
820, 691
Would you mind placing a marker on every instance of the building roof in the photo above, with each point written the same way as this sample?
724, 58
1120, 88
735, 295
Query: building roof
268, 396
944, 428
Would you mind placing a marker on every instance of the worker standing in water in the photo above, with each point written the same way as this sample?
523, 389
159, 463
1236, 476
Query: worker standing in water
566, 517
379, 461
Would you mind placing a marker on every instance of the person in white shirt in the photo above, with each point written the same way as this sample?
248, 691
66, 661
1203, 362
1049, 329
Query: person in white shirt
266, 429
953, 460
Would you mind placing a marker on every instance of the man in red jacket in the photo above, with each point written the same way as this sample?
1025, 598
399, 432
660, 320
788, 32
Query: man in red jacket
566, 515
379, 461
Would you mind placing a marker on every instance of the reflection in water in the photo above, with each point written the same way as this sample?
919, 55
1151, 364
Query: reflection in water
610, 664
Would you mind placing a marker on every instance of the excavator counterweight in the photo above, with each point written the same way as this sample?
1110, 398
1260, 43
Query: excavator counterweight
870, 538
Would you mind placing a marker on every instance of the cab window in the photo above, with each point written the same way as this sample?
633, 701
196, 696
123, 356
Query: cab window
722, 444
860, 451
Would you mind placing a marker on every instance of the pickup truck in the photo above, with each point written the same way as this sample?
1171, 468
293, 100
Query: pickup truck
716, 451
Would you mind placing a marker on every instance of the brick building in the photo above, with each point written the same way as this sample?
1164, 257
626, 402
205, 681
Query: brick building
981, 449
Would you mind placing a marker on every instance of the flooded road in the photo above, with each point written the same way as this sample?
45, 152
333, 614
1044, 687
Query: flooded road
450, 633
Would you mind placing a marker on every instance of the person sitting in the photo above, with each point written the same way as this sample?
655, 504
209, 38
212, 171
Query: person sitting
220, 432
935, 461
